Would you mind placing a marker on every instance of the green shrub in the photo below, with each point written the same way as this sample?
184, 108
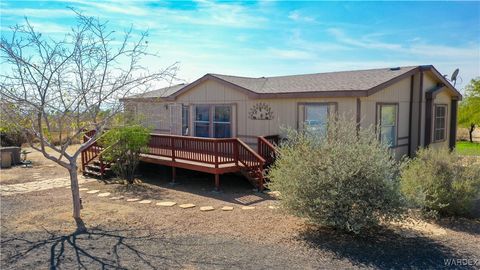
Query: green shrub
123, 146
339, 179
440, 183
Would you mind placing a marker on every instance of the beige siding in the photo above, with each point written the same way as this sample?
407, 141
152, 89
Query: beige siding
154, 115
398, 93
288, 113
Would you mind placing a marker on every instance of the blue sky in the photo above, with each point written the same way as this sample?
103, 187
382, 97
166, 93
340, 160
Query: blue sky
267, 38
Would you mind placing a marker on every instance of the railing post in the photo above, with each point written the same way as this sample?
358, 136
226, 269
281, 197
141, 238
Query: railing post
172, 142
259, 146
235, 152
215, 143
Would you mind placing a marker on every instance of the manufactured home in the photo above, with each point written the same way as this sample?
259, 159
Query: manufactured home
223, 123
413, 106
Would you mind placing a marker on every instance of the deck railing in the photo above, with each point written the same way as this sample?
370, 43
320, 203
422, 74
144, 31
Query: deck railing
267, 148
215, 151
91, 152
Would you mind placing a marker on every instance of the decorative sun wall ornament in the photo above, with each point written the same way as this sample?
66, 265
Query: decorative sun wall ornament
260, 111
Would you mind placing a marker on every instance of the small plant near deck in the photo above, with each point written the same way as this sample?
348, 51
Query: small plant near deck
440, 183
339, 178
123, 146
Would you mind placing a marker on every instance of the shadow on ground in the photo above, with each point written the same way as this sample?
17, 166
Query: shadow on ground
235, 188
97, 249
470, 226
142, 249
384, 249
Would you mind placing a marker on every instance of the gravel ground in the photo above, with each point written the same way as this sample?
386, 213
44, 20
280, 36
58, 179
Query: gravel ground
36, 232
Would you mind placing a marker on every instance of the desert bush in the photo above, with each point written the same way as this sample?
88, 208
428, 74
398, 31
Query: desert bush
123, 146
440, 182
339, 178
9, 135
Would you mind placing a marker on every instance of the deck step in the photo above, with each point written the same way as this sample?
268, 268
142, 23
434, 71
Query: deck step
252, 177
94, 173
94, 167
97, 167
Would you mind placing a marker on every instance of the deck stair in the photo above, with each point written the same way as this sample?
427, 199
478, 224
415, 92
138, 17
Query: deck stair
93, 164
98, 169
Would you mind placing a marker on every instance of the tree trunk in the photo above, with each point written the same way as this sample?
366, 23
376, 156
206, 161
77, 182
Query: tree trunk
77, 203
470, 132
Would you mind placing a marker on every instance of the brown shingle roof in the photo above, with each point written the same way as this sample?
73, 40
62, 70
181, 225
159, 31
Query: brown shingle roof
331, 81
161, 93
341, 83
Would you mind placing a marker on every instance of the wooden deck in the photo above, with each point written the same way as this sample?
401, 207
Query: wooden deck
211, 155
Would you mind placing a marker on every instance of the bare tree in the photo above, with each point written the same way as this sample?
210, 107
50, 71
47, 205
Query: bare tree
71, 85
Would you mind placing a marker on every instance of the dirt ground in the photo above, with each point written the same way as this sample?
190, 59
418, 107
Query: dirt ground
45, 167
37, 230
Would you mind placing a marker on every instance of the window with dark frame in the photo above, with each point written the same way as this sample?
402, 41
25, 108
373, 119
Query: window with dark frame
316, 117
222, 122
185, 119
213, 121
440, 123
202, 121
387, 123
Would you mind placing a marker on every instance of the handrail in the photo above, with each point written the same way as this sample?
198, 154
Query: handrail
259, 158
267, 143
273, 139
253, 162
192, 137
267, 149
90, 153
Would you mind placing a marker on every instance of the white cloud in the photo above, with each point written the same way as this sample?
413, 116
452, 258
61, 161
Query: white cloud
363, 42
45, 27
298, 17
36, 12
289, 54
119, 7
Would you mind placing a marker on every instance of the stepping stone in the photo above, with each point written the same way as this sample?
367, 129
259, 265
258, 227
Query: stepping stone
133, 200
273, 207
116, 198
106, 194
166, 204
145, 201
273, 193
187, 205
206, 208
227, 208
248, 207
83, 189
93, 191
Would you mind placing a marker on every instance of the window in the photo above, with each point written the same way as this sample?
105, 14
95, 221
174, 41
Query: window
440, 122
185, 119
213, 121
387, 123
316, 117
222, 123
202, 121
